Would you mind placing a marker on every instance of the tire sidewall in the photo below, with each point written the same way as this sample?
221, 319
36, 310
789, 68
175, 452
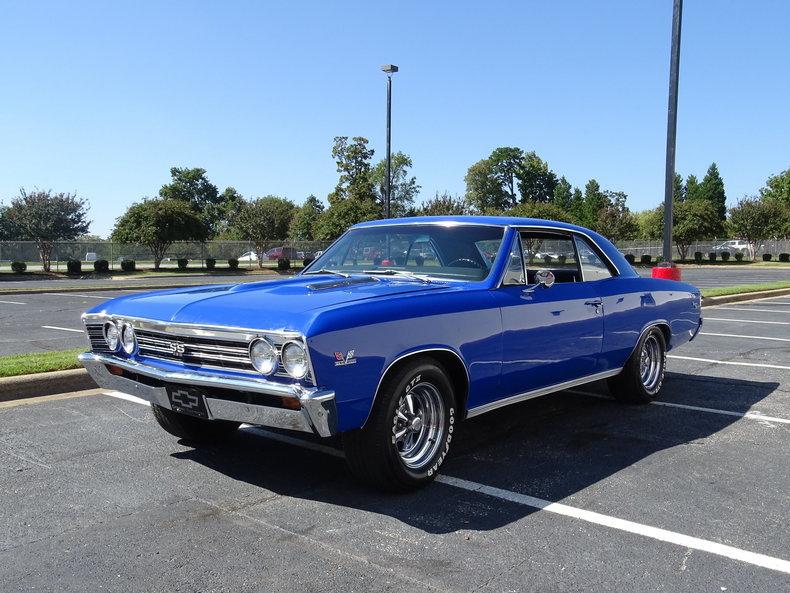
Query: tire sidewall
638, 354
420, 373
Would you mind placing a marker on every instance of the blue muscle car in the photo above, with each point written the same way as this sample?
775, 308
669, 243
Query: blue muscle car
398, 331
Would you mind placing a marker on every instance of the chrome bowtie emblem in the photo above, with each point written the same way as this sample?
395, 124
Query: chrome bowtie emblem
177, 348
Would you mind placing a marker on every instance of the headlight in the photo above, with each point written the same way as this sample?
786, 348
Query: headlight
128, 339
112, 336
263, 356
295, 360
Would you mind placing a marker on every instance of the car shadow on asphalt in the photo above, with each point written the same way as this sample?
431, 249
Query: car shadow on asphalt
550, 447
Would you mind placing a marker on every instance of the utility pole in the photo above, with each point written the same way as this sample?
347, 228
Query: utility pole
672, 124
390, 69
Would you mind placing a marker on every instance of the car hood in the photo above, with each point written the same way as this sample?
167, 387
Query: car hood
271, 305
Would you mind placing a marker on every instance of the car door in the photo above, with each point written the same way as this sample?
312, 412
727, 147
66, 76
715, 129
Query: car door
551, 334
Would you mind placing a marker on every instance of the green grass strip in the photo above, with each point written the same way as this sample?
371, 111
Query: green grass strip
39, 362
743, 288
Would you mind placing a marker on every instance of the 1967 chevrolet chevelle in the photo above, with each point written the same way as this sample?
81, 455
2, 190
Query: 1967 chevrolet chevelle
398, 331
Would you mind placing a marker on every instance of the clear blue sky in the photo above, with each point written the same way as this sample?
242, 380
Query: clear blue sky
103, 98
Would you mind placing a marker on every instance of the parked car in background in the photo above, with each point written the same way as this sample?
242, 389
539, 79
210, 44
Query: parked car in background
248, 256
734, 246
276, 253
91, 256
392, 356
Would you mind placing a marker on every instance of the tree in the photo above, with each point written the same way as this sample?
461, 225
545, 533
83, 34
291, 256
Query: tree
678, 189
693, 220
536, 182
484, 192
756, 220
191, 185
615, 220
404, 188
264, 220
594, 201
711, 189
692, 190
45, 217
305, 219
506, 166
563, 195
343, 214
218, 215
157, 224
8, 231
353, 163
777, 191
651, 223
543, 210
576, 209
442, 205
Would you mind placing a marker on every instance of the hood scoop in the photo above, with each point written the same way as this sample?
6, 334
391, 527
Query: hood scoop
342, 283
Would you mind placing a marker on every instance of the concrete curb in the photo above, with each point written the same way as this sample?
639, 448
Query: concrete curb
25, 386
744, 296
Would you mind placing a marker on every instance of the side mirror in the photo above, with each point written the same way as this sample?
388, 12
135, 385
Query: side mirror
544, 278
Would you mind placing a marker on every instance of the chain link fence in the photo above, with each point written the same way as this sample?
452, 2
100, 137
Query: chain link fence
196, 253
296, 251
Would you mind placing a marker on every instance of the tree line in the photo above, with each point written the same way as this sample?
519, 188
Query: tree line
510, 181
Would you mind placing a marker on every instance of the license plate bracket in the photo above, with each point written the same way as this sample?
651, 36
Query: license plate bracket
188, 400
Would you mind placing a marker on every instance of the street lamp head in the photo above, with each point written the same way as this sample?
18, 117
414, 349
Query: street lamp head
389, 68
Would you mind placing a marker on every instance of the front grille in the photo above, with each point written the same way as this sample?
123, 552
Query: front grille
196, 351
96, 337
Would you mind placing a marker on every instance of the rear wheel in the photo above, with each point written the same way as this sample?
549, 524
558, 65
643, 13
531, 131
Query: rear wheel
643, 375
190, 428
408, 433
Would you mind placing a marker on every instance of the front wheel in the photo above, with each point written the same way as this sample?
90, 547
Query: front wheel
408, 433
643, 374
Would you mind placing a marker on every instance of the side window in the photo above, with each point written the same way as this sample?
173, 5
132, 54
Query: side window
549, 251
593, 267
514, 274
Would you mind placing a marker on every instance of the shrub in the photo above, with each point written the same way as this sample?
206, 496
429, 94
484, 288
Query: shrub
767, 257
211, 263
74, 266
182, 263
283, 263
739, 256
725, 256
698, 257
562, 259
547, 259
646, 258
233, 263
784, 257
128, 265
18, 267
712, 256
309, 259
630, 258
102, 266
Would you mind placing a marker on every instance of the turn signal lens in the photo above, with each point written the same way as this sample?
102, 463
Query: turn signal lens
263, 356
295, 360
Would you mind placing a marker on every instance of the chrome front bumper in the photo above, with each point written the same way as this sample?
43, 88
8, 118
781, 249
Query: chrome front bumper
317, 411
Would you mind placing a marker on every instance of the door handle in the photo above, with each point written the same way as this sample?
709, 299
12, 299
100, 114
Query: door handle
597, 303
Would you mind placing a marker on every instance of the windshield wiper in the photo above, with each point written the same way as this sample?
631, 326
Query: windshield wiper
328, 271
404, 273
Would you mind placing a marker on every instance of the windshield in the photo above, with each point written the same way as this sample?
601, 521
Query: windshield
462, 252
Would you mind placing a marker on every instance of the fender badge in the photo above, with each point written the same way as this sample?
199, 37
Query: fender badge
342, 360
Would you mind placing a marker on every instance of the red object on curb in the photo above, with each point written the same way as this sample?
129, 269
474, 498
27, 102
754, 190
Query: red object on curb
667, 272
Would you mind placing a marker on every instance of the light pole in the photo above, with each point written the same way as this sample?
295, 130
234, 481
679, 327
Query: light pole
390, 69
672, 125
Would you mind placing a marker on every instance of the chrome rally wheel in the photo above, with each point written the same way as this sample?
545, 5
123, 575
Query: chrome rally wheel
651, 363
643, 374
419, 425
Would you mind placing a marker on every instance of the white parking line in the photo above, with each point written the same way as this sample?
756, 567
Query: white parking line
729, 362
656, 533
745, 321
12, 303
747, 415
753, 310
63, 329
663, 535
84, 296
741, 336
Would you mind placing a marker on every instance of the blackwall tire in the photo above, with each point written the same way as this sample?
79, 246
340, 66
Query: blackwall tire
643, 375
408, 434
195, 430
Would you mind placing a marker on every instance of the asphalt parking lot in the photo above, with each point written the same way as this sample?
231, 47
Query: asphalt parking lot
569, 492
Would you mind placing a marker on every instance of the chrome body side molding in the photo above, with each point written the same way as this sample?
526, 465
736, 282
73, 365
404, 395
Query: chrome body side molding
520, 397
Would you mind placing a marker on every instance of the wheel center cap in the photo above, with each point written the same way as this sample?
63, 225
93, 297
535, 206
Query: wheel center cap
416, 424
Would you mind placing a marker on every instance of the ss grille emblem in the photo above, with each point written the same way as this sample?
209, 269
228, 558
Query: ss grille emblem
177, 348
